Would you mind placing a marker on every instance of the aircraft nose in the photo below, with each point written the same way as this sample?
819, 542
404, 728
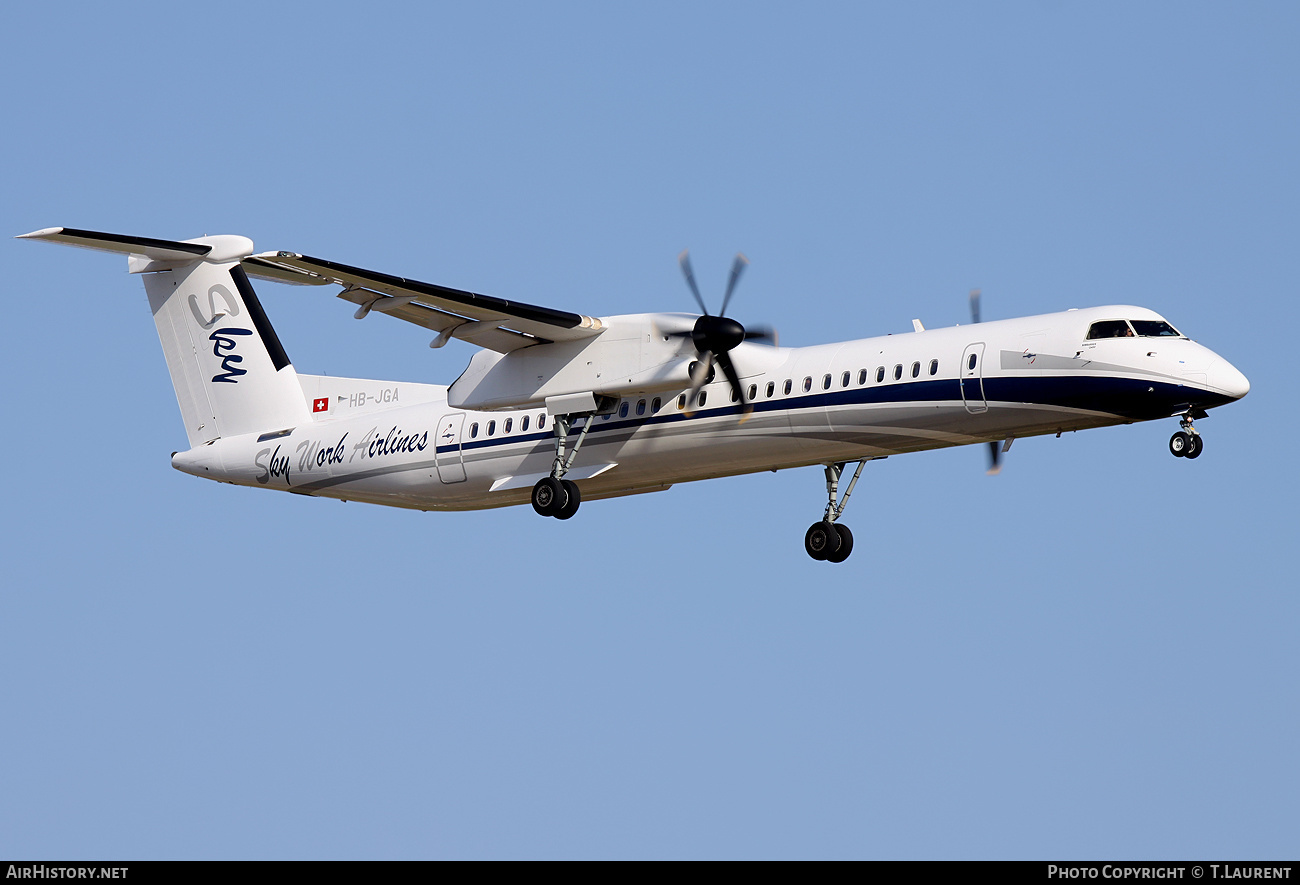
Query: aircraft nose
1223, 376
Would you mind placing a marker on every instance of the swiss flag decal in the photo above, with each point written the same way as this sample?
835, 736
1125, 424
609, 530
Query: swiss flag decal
321, 405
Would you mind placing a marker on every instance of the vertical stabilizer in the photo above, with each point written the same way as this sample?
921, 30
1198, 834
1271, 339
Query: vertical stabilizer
229, 369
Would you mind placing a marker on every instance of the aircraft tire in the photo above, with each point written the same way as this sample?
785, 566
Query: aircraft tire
1178, 444
548, 496
821, 540
1195, 445
573, 498
846, 544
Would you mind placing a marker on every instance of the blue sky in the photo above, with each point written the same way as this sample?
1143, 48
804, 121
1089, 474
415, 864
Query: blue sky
1091, 655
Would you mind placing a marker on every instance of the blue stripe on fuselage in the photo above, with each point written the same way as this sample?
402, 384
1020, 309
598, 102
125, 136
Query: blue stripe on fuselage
1131, 398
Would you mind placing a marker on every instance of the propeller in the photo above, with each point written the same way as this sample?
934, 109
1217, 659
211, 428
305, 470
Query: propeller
995, 448
995, 459
714, 337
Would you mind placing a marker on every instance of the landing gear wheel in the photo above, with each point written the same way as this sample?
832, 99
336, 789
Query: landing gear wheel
1179, 443
821, 540
1195, 445
573, 499
846, 544
549, 497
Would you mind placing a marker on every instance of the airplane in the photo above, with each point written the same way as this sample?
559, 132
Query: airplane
558, 407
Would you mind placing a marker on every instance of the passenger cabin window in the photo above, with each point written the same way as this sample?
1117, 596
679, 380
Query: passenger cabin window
473, 430
704, 395
934, 367
807, 383
492, 428
655, 404
771, 388
1155, 329
509, 422
826, 382
880, 374
862, 377
541, 421
1110, 329
622, 410
970, 363
681, 401
898, 372
753, 392
523, 424
640, 407
916, 370
788, 385
733, 394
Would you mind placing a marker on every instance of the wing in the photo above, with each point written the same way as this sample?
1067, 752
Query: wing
483, 320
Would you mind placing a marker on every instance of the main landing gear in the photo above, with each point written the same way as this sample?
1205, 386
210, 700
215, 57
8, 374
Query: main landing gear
827, 540
1187, 443
554, 495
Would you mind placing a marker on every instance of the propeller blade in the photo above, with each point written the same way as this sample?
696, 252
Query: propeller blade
975, 305
700, 374
684, 261
733, 379
701, 371
737, 268
762, 334
670, 328
724, 360
995, 459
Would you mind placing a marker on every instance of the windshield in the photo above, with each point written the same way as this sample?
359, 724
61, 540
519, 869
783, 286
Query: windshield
1110, 329
1155, 329
1123, 329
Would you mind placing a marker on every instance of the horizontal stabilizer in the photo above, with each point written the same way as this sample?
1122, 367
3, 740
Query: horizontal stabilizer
158, 250
148, 255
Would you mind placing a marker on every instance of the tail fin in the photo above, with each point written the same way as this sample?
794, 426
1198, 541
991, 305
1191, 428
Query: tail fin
230, 372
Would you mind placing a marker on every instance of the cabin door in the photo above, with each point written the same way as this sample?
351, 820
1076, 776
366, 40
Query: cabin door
972, 379
451, 466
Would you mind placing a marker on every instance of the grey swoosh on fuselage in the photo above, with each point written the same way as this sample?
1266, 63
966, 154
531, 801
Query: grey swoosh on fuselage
1028, 360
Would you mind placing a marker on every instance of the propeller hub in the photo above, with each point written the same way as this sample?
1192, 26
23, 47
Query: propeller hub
717, 334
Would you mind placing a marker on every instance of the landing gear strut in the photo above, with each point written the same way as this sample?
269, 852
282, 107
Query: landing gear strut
827, 540
1186, 443
554, 495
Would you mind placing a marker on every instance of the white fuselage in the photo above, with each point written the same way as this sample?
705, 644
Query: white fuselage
400, 444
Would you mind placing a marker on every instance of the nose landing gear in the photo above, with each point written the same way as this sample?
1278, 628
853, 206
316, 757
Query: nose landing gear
1187, 443
828, 541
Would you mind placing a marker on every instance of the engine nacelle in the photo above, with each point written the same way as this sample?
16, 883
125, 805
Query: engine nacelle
634, 355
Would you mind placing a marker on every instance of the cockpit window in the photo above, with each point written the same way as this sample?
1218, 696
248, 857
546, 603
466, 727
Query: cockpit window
1155, 329
1110, 329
